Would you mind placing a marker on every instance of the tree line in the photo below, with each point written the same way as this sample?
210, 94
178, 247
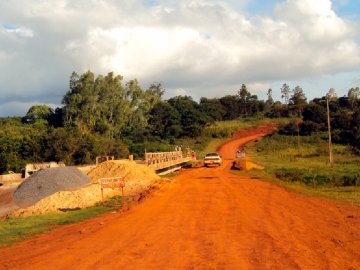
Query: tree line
103, 115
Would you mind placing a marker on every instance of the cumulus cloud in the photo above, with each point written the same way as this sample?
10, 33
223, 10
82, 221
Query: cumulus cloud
202, 47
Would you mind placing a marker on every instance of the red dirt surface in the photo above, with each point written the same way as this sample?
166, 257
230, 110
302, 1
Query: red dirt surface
208, 218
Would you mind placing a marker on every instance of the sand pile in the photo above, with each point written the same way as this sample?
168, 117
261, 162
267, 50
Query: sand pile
63, 201
246, 165
138, 178
46, 182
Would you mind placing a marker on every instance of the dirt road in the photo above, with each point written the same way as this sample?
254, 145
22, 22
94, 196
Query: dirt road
208, 218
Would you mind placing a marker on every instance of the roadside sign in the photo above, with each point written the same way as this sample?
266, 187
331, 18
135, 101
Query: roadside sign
113, 182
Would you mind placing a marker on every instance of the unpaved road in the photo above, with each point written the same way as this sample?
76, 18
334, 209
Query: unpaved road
208, 218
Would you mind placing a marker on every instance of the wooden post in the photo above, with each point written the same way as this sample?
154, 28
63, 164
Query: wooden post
331, 161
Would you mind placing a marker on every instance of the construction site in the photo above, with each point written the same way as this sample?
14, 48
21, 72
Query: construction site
53, 187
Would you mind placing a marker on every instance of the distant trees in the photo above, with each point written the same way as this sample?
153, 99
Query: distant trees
104, 115
231, 107
192, 119
165, 121
344, 112
212, 108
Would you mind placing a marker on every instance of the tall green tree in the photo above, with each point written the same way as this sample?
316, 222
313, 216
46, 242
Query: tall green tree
244, 98
114, 105
353, 95
80, 101
285, 93
270, 100
297, 101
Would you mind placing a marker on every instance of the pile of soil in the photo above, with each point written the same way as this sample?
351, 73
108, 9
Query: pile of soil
243, 164
138, 178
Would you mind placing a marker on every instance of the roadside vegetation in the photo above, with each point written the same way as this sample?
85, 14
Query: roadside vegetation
301, 164
14, 229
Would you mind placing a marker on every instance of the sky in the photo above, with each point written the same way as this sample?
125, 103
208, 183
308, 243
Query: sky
200, 48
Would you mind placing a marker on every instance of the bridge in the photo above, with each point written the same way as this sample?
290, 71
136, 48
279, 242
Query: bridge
165, 162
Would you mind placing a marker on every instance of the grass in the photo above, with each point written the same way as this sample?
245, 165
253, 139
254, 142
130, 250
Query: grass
349, 194
15, 229
301, 165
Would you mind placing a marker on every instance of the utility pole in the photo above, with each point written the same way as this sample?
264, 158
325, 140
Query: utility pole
331, 161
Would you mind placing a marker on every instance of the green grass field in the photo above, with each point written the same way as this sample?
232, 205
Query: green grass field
301, 164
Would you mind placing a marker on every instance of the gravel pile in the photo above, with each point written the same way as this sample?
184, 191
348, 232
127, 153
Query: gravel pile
45, 182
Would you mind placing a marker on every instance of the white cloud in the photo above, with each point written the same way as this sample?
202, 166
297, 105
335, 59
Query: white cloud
20, 31
203, 47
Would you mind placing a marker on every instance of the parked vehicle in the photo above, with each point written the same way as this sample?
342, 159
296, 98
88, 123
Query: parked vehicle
212, 159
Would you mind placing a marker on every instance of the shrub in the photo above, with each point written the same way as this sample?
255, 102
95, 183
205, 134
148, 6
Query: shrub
308, 177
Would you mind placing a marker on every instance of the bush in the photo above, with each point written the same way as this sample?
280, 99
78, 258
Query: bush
308, 177
309, 127
289, 129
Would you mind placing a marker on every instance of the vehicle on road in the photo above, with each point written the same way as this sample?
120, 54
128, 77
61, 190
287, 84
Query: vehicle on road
212, 159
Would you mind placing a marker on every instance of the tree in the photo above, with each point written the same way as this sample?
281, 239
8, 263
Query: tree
244, 98
230, 106
356, 130
314, 113
270, 100
278, 110
38, 112
298, 100
100, 105
192, 120
154, 94
114, 105
330, 95
285, 93
80, 101
212, 107
353, 95
164, 121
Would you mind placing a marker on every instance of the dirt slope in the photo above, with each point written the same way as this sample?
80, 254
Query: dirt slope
207, 218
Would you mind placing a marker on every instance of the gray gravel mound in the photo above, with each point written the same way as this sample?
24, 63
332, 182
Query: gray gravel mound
46, 182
